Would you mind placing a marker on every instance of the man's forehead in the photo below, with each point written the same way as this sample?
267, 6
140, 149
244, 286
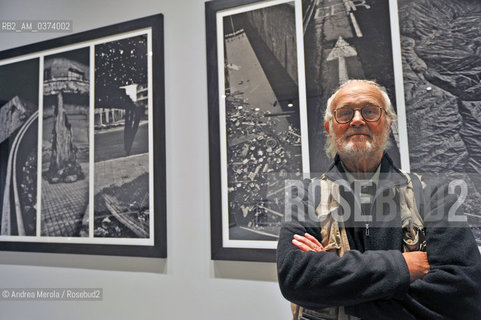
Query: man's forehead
358, 92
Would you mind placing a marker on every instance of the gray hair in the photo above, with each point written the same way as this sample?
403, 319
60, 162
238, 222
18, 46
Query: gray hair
330, 146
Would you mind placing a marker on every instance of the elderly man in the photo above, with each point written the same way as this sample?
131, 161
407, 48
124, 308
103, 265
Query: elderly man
366, 240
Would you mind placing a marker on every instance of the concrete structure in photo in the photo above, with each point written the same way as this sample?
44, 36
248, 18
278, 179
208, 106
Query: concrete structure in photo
13, 115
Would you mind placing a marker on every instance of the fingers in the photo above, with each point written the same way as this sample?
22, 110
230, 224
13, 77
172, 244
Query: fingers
301, 245
417, 263
313, 239
307, 243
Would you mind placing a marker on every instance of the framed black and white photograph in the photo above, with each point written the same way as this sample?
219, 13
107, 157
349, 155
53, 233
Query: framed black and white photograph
272, 65
257, 112
82, 143
442, 81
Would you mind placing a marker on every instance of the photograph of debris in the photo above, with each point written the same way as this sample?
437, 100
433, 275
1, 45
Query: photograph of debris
262, 118
65, 144
121, 142
344, 40
441, 56
18, 147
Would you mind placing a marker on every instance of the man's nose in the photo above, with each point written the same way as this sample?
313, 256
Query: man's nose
357, 120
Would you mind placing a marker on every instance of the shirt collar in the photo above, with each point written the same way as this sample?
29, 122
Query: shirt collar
389, 175
350, 177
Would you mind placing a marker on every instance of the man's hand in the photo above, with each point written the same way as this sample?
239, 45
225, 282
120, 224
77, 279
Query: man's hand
418, 264
307, 243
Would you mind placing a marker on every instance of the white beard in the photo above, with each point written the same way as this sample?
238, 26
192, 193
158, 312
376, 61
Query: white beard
354, 150
351, 147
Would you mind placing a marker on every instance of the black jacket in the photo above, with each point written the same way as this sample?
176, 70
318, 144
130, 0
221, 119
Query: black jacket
372, 279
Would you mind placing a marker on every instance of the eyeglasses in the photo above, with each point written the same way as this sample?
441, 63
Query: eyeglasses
370, 113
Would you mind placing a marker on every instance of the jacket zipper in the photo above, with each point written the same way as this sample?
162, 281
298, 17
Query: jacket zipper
374, 201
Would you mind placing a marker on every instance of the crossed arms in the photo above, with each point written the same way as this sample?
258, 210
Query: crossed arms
417, 261
443, 283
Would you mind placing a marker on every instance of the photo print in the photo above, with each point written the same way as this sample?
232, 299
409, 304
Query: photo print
121, 201
257, 122
262, 118
345, 40
65, 144
18, 147
272, 67
442, 82
79, 161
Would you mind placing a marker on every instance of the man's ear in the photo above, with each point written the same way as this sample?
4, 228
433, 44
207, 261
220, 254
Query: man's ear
390, 122
326, 126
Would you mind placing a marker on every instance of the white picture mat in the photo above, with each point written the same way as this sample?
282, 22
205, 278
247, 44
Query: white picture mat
399, 85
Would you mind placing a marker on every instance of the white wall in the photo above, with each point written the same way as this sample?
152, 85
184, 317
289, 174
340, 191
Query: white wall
186, 285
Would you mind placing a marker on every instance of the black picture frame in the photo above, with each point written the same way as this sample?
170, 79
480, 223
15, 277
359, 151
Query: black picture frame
294, 96
143, 116
337, 44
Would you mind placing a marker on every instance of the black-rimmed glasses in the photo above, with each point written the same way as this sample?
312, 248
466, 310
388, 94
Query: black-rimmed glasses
370, 113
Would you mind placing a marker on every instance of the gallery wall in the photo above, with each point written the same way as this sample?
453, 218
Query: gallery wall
186, 285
